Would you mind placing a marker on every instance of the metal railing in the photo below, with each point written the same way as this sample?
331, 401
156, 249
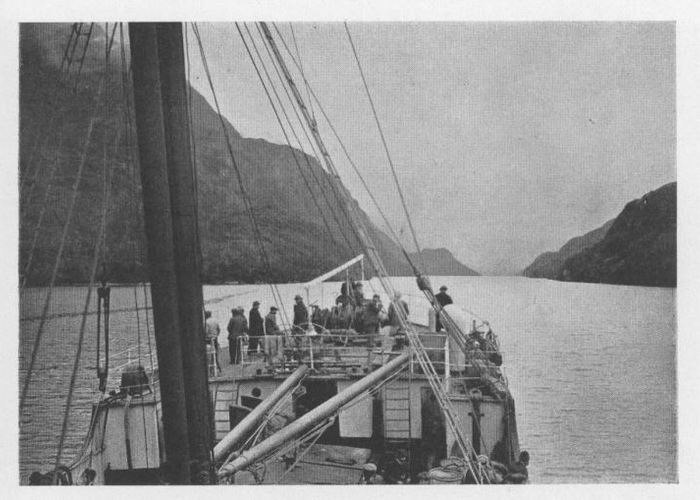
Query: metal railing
341, 350
129, 356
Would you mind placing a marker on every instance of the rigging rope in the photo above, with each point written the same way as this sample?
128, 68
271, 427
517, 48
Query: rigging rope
279, 121
340, 142
56, 112
339, 204
61, 246
301, 69
386, 147
78, 30
99, 241
214, 300
44, 205
82, 58
352, 248
246, 200
81, 337
75, 30
73, 38
416, 344
104, 291
49, 124
27, 198
193, 148
337, 185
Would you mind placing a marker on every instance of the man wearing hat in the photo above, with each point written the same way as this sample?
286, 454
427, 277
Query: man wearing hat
443, 299
271, 327
369, 474
211, 331
237, 329
271, 332
301, 316
255, 324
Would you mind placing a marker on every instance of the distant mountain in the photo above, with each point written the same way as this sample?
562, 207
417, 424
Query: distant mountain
549, 264
441, 262
304, 232
638, 249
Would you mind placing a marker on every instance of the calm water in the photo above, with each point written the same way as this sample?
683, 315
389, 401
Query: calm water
592, 369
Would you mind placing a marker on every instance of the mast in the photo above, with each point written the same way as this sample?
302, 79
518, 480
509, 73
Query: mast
159, 236
181, 177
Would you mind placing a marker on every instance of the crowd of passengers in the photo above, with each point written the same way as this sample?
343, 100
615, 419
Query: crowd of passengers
351, 312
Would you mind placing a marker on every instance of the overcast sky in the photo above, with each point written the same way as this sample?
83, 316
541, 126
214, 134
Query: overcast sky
508, 138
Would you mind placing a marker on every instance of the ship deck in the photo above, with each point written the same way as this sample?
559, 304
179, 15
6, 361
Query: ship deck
331, 358
349, 355
352, 361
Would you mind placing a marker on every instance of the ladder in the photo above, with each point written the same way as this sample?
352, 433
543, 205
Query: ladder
223, 398
397, 412
451, 418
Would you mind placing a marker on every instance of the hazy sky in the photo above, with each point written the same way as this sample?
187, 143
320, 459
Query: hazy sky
508, 138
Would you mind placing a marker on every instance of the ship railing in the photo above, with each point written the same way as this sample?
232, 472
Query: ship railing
450, 362
340, 349
346, 349
125, 355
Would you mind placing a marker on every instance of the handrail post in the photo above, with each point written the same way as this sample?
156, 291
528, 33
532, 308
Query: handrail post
311, 351
448, 371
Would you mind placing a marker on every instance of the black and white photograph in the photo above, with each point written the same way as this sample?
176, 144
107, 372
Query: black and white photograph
262, 250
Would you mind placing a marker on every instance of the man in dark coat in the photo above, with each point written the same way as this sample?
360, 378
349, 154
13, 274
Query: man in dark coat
255, 324
517, 472
358, 294
344, 298
237, 329
271, 327
443, 299
271, 333
371, 316
301, 316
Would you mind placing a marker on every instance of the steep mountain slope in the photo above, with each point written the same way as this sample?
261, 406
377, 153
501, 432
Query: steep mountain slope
639, 248
304, 231
550, 264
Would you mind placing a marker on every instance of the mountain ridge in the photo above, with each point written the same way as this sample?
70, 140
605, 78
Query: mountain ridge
549, 264
638, 247
285, 186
